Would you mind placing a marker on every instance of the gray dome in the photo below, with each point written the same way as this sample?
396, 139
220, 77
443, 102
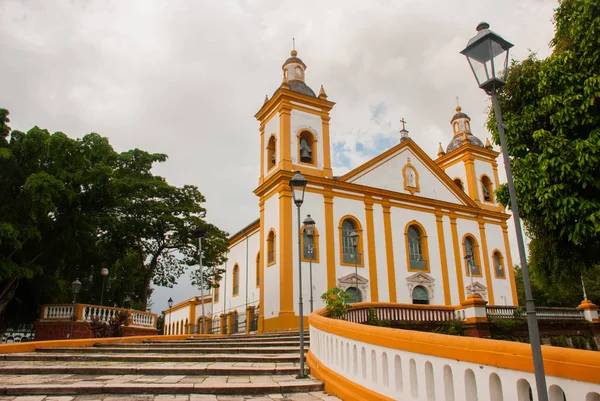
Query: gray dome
457, 142
294, 59
301, 87
459, 115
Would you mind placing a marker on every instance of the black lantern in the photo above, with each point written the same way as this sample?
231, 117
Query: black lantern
298, 185
487, 53
309, 226
170, 302
76, 286
354, 238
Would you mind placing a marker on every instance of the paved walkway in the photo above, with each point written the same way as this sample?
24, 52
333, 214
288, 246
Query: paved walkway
316, 396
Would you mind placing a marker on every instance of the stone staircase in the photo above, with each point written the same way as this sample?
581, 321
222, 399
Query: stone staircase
257, 367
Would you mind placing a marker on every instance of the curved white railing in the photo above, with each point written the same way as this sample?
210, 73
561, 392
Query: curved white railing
57, 312
544, 313
361, 362
85, 313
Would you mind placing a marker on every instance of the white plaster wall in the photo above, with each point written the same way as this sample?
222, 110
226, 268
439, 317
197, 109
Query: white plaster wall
272, 290
208, 310
486, 168
313, 205
271, 127
502, 288
180, 314
466, 226
458, 171
300, 120
356, 208
389, 176
380, 254
336, 353
452, 279
400, 218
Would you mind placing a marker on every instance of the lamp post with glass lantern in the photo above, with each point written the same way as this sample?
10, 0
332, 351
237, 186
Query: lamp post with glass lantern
487, 54
75, 287
170, 303
354, 241
103, 273
298, 185
200, 233
309, 229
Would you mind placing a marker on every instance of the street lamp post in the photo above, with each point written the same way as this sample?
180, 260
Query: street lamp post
75, 287
200, 233
170, 302
483, 52
103, 273
298, 185
309, 229
354, 239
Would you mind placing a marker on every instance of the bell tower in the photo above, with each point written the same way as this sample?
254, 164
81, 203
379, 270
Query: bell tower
294, 126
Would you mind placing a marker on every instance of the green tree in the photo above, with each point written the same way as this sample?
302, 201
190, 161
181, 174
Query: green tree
69, 207
551, 109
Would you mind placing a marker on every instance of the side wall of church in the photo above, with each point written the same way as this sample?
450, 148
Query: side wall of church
458, 171
272, 274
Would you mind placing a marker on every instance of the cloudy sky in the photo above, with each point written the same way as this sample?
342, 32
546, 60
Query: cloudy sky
185, 78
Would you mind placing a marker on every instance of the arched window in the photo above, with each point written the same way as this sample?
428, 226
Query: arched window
307, 149
416, 247
420, 296
487, 189
499, 265
456, 128
471, 256
216, 292
351, 247
467, 126
298, 72
355, 294
271, 153
310, 246
271, 248
236, 280
459, 182
258, 269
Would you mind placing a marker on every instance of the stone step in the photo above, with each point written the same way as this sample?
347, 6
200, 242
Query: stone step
153, 369
237, 337
238, 344
135, 358
312, 396
142, 384
157, 350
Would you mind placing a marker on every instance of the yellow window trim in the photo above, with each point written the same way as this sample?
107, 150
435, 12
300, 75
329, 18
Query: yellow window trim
477, 259
360, 251
272, 230
424, 245
501, 258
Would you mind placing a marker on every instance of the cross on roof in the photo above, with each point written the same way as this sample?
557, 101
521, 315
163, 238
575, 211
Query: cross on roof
403, 122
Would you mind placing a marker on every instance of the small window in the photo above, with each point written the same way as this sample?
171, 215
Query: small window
415, 249
487, 189
307, 148
350, 249
471, 258
499, 265
298, 72
459, 183
271, 154
271, 248
355, 294
420, 296
236, 280
456, 128
258, 269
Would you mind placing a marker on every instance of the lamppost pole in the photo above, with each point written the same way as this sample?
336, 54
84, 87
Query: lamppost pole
170, 302
482, 51
309, 229
103, 273
298, 185
75, 287
200, 233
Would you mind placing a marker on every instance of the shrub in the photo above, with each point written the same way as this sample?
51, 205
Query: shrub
453, 327
336, 302
113, 328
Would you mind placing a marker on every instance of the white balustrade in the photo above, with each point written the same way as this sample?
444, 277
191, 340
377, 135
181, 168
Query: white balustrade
512, 312
58, 312
103, 313
408, 365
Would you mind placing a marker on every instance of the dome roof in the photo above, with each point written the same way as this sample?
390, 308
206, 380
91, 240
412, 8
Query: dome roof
457, 142
459, 114
293, 59
301, 87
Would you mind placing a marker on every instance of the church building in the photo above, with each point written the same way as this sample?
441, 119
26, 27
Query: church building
401, 228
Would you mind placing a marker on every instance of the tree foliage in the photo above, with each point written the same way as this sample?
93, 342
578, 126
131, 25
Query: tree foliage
551, 109
69, 207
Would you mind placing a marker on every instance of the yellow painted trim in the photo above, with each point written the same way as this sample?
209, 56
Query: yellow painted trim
477, 258
272, 241
486, 264
329, 240
192, 315
235, 279
360, 250
471, 179
466, 151
509, 262
462, 183
574, 364
326, 146
501, 258
493, 201
284, 96
286, 260
416, 187
316, 249
257, 278
424, 245
261, 301
458, 265
442, 249
285, 157
373, 281
267, 161
389, 251
262, 153
339, 385
315, 147
496, 178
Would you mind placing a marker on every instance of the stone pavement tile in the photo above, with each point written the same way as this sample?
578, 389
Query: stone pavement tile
276, 396
107, 377
259, 399
170, 379
147, 379
283, 378
244, 364
6, 398
30, 398
193, 379
300, 397
230, 398
238, 379
89, 397
203, 397
59, 398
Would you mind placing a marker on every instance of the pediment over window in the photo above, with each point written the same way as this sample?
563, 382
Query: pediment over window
420, 278
477, 288
351, 279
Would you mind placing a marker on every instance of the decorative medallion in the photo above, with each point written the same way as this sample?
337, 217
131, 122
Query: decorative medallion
411, 177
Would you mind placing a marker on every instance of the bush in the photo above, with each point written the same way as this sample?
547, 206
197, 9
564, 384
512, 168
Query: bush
453, 327
373, 320
336, 302
113, 328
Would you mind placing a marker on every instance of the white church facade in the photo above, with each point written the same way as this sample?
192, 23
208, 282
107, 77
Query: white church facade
416, 229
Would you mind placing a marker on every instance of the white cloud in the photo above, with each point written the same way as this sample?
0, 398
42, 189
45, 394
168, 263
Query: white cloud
185, 78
